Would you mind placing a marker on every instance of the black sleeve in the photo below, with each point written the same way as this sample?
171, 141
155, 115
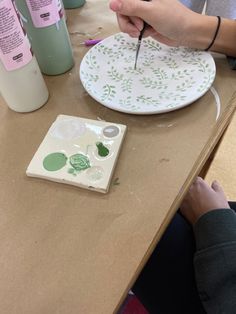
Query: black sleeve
215, 261
232, 62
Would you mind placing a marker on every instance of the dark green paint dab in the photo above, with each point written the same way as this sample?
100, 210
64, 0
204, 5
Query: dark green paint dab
103, 151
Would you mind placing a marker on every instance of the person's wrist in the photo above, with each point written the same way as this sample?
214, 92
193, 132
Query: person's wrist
200, 30
226, 36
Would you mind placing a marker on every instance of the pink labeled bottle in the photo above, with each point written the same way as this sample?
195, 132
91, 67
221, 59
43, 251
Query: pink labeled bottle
21, 82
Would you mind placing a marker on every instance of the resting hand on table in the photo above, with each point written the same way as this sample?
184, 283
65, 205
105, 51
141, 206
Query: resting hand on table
202, 198
174, 24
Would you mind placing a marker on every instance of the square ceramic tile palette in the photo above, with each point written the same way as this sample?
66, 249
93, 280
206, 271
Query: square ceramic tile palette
80, 152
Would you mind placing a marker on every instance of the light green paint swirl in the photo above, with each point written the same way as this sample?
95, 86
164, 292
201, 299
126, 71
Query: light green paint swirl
79, 162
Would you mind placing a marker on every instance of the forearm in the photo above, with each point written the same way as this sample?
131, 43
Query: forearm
201, 31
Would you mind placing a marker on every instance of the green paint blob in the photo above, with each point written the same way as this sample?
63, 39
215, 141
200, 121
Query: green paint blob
54, 161
79, 162
103, 151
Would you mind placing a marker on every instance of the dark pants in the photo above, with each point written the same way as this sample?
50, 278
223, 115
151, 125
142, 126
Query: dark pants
167, 284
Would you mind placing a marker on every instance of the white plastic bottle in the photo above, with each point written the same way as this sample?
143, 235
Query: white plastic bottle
21, 82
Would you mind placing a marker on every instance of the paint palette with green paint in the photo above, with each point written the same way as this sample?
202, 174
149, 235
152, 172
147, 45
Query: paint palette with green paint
79, 152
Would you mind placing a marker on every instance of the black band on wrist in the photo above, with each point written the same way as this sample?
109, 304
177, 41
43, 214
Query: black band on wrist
216, 33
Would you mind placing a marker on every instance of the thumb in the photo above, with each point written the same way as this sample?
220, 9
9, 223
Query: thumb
131, 7
216, 186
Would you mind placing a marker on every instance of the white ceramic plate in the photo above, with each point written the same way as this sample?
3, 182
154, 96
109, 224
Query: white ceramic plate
166, 78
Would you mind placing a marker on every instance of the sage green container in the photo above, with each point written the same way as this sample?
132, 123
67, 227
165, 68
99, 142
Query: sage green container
51, 44
72, 4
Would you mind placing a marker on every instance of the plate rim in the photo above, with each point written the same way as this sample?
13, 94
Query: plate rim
151, 112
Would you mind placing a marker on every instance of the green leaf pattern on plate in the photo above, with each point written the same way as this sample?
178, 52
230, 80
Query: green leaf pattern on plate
131, 70
185, 85
165, 78
201, 64
207, 81
115, 75
126, 85
170, 62
91, 61
147, 100
160, 74
152, 45
149, 59
108, 92
149, 83
181, 74
89, 79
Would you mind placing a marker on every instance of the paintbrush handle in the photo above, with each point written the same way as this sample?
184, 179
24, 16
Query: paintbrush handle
144, 26
139, 41
143, 30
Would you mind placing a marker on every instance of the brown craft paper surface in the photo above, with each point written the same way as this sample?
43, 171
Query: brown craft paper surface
66, 250
223, 166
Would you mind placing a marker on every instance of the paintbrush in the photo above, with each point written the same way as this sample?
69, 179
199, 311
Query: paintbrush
139, 41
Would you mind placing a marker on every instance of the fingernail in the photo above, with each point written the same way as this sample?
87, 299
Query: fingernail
116, 5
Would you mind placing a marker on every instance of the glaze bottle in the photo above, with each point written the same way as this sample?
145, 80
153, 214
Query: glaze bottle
46, 28
72, 4
21, 82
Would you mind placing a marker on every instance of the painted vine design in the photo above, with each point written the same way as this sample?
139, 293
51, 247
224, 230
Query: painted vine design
123, 80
